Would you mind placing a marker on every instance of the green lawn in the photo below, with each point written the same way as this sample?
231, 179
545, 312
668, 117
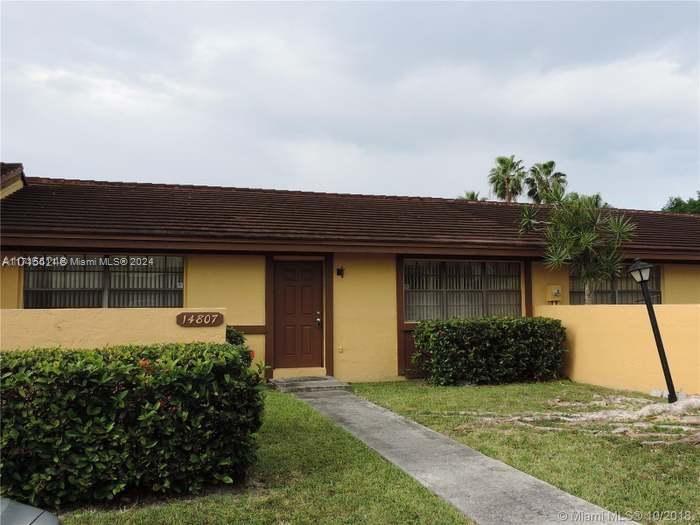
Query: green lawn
626, 467
309, 471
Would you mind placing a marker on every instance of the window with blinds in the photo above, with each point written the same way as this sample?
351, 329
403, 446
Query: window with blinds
448, 289
69, 286
620, 290
85, 282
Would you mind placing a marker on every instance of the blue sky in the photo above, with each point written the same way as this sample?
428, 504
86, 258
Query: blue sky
385, 98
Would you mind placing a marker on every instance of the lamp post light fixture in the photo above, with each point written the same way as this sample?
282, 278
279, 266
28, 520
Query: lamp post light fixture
640, 272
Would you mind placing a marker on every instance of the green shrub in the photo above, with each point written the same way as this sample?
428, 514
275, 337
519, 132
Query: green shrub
489, 350
234, 337
87, 425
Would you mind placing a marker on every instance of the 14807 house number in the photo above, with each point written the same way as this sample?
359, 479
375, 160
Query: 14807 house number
199, 319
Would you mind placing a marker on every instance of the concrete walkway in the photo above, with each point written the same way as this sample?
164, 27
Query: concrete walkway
484, 489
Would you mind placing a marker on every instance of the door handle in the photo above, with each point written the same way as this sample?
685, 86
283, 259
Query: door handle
318, 319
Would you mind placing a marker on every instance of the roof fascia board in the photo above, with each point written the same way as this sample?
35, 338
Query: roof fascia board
12, 242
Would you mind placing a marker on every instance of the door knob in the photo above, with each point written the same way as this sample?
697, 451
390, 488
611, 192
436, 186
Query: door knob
318, 318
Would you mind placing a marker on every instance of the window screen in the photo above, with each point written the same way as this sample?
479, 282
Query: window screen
448, 289
65, 286
620, 290
158, 284
87, 282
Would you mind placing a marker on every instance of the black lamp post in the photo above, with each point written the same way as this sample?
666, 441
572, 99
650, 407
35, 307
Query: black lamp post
640, 272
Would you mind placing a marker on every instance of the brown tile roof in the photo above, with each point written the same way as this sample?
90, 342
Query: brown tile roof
56, 208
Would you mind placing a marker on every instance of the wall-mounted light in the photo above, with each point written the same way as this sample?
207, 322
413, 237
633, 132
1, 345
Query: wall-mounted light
340, 271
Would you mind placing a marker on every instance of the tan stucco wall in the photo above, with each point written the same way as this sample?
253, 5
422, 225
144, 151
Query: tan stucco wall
364, 318
543, 277
286, 373
234, 282
613, 345
256, 343
680, 284
10, 286
365, 310
97, 327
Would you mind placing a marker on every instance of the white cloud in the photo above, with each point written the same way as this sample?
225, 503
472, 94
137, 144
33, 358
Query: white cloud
638, 88
647, 84
105, 91
267, 53
306, 104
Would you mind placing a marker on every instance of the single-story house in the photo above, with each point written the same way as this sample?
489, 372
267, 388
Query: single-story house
320, 283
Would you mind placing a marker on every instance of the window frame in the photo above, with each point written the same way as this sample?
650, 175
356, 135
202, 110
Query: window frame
484, 291
106, 272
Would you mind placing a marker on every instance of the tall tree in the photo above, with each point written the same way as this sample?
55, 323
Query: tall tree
580, 234
506, 178
678, 205
540, 179
471, 196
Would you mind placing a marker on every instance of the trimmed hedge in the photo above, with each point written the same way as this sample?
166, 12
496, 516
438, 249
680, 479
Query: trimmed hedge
489, 350
233, 336
87, 425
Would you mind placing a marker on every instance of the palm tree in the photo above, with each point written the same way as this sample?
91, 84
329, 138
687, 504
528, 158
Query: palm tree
471, 196
540, 180
596, 198
506, 178
582, 233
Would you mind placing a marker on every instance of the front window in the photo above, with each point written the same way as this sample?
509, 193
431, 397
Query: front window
128, 281
619, 290
445, 289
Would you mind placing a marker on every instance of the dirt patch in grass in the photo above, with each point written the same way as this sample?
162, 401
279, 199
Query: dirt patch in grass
650, 423
629, 453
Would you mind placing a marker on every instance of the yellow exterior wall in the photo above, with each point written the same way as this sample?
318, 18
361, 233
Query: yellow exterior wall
234, 282
256, 343
680, 284
98, 327
543, 277
10, 286
287, 373
364, 318
613, 345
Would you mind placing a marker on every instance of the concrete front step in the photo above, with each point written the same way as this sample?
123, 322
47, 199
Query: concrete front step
308, 384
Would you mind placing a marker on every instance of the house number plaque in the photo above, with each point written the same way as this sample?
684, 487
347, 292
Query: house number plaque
199, 319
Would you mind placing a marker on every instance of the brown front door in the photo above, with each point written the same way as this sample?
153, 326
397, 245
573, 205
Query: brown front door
298, 317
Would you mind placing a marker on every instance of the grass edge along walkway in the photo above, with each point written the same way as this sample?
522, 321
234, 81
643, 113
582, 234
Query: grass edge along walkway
651, 484
484, 489
309, 471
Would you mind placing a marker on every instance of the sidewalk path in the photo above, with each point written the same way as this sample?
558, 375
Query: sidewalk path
484, 489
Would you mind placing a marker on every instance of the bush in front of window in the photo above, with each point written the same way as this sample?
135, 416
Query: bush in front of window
489, 350
89, 425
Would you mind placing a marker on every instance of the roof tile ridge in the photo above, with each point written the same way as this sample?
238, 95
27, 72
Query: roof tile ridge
660, 213
93, 182
406, 198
